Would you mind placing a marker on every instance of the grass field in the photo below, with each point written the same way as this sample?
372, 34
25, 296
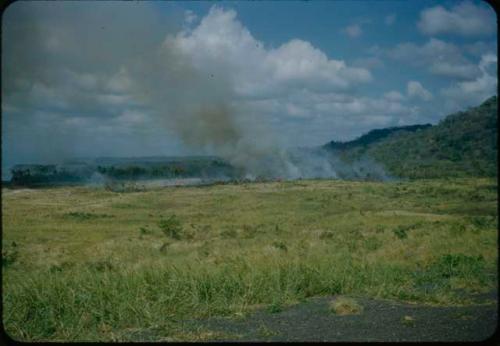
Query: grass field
82, 263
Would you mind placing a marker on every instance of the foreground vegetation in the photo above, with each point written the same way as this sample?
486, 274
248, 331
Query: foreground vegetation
83, 263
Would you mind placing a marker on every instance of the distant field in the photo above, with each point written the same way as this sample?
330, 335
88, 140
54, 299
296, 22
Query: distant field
82, 263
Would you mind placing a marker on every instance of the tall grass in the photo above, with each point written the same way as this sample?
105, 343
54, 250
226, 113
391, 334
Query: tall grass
231, 249
85, 303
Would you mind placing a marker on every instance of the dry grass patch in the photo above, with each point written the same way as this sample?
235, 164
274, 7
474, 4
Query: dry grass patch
345, 306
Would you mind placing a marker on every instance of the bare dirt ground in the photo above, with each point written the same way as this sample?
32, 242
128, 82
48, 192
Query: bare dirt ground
381, 320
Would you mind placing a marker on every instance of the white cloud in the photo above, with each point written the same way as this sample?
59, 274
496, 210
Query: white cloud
394, 96
353, 30
351, 115
294, 87
439, 57
390, 19
190, 17
470, 93
119, 82
221, 43
480, 48
444, 68
465, 19
416, 90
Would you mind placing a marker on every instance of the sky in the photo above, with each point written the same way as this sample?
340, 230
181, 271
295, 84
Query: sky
87, 79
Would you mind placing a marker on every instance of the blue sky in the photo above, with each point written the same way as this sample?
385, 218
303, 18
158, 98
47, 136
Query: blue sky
321, 23
137, 78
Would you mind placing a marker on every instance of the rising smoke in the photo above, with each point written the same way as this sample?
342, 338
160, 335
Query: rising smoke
201, 105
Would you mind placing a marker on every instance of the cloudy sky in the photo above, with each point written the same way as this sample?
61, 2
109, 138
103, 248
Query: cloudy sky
125, 78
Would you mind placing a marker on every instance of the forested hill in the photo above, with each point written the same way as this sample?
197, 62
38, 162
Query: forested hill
462, 144
373, 136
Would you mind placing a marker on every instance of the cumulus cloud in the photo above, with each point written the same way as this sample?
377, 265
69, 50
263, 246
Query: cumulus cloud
438, 57
353, 30
464, 19
394, 96
222, 43
294, 87
336, 115
416, 90
480, 48
469, 93
447, 69
190, 17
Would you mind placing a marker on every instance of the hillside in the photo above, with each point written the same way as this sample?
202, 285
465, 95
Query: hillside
462, 144
373, 136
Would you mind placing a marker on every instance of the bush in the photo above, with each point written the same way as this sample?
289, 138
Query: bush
400, 232
458, 265
9, 256
482, 222
229, 233
171, 227
275, 307
326, 235
280, 245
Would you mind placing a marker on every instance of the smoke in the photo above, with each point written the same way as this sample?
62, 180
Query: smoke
195, 94
200, 105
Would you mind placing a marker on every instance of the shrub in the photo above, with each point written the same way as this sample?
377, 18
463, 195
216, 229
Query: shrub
144, 230
400, 232
458, 265
275, 307
79, 215
326, 235
482, 222
229, 233
171, 227
280, 245
9, 256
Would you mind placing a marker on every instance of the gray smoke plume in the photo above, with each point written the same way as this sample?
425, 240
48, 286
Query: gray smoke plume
202, 108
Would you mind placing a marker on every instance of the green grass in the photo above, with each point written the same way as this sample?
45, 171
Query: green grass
89, 264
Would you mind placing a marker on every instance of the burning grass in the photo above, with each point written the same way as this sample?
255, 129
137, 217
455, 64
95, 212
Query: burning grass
180, 253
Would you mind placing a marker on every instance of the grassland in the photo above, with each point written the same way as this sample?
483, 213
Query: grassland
83, 263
